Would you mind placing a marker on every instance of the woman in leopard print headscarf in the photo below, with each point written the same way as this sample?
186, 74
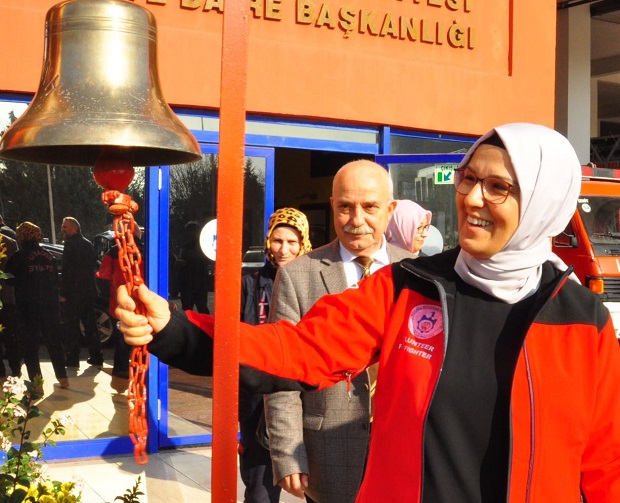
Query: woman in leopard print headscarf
297, 221
288, 236
35, 278
27, 231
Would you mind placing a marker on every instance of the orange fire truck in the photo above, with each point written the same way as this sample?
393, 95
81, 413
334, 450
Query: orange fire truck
591, 241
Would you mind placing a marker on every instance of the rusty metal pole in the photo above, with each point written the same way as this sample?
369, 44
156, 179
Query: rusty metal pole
229, 240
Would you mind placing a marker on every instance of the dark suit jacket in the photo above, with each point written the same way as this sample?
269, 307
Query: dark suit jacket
324, 433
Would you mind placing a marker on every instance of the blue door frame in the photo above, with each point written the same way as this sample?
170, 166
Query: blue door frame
157, 197
387, 159
158, 376
157, 187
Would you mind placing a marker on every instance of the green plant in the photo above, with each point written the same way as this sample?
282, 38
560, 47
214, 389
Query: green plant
23, 476
131, 495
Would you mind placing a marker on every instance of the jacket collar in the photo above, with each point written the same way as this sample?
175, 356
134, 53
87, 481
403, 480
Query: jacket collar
332, 273
440, 268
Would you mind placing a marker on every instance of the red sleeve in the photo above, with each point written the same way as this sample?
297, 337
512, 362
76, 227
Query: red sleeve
340, 336
206, 322
601, 460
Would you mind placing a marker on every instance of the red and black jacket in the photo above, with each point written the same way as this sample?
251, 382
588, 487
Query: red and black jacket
565, 401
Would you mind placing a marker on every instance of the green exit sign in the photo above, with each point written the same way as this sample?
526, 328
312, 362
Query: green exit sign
444, 174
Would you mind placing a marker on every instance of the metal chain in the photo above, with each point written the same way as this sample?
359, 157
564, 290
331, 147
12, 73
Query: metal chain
129, 258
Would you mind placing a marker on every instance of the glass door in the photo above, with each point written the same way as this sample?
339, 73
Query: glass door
185, 401
427, 179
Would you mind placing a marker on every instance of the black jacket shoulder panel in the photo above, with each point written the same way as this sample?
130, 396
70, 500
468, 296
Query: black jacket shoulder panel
410, 273
572, 303
562, 301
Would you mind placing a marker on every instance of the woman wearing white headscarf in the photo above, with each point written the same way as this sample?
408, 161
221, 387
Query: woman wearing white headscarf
499, 375
408, 226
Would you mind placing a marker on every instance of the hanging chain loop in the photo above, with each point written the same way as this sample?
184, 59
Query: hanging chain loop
129, 258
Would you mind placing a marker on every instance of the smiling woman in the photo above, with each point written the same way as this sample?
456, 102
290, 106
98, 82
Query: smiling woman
512, 235
517, 322
487, 206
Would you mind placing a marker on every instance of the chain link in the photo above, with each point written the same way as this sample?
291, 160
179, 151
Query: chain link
129, 258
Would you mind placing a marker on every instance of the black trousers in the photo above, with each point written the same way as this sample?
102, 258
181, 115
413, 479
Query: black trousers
257, 474
195, 295
41, 323
10, 340
254, 460
76, 310
122, 350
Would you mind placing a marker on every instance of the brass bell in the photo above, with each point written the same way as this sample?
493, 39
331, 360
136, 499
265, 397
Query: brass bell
99, 90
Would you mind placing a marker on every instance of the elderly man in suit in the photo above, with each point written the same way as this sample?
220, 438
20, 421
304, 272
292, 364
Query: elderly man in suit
318, 440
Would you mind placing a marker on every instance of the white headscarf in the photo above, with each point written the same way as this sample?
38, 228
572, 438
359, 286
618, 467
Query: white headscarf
402, 227
549, 178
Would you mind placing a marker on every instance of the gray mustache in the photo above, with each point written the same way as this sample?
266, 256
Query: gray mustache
364, 229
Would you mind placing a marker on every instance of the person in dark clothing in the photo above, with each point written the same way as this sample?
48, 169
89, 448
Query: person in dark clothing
287, 238
77, 294
35, 277
193, 271
6, 230
8, 313
110, 270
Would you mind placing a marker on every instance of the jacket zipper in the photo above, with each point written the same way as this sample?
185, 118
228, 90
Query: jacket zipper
528, 486
444, 309
442, 298
530, 473
349, 377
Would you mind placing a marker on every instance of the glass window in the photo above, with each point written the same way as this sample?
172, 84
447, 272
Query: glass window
601, 217
417, 181
420, 145
193, 191
45, 195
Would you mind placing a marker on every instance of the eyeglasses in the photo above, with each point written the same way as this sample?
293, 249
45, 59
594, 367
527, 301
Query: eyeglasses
423, 229
494, 190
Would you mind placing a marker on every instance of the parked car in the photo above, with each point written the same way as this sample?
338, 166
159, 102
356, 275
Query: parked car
102, 243
253, 259
56, 251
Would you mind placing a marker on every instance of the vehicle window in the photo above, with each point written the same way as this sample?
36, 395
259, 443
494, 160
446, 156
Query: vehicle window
564, 238
600, 216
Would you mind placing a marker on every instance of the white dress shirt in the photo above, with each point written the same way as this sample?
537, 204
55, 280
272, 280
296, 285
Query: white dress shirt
354, 271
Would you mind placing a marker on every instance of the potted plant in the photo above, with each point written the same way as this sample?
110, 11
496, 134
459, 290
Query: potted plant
23, 475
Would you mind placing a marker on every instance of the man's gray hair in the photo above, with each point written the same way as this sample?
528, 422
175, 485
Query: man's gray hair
75, 223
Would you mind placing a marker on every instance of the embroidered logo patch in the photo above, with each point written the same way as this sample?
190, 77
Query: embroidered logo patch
425, 321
